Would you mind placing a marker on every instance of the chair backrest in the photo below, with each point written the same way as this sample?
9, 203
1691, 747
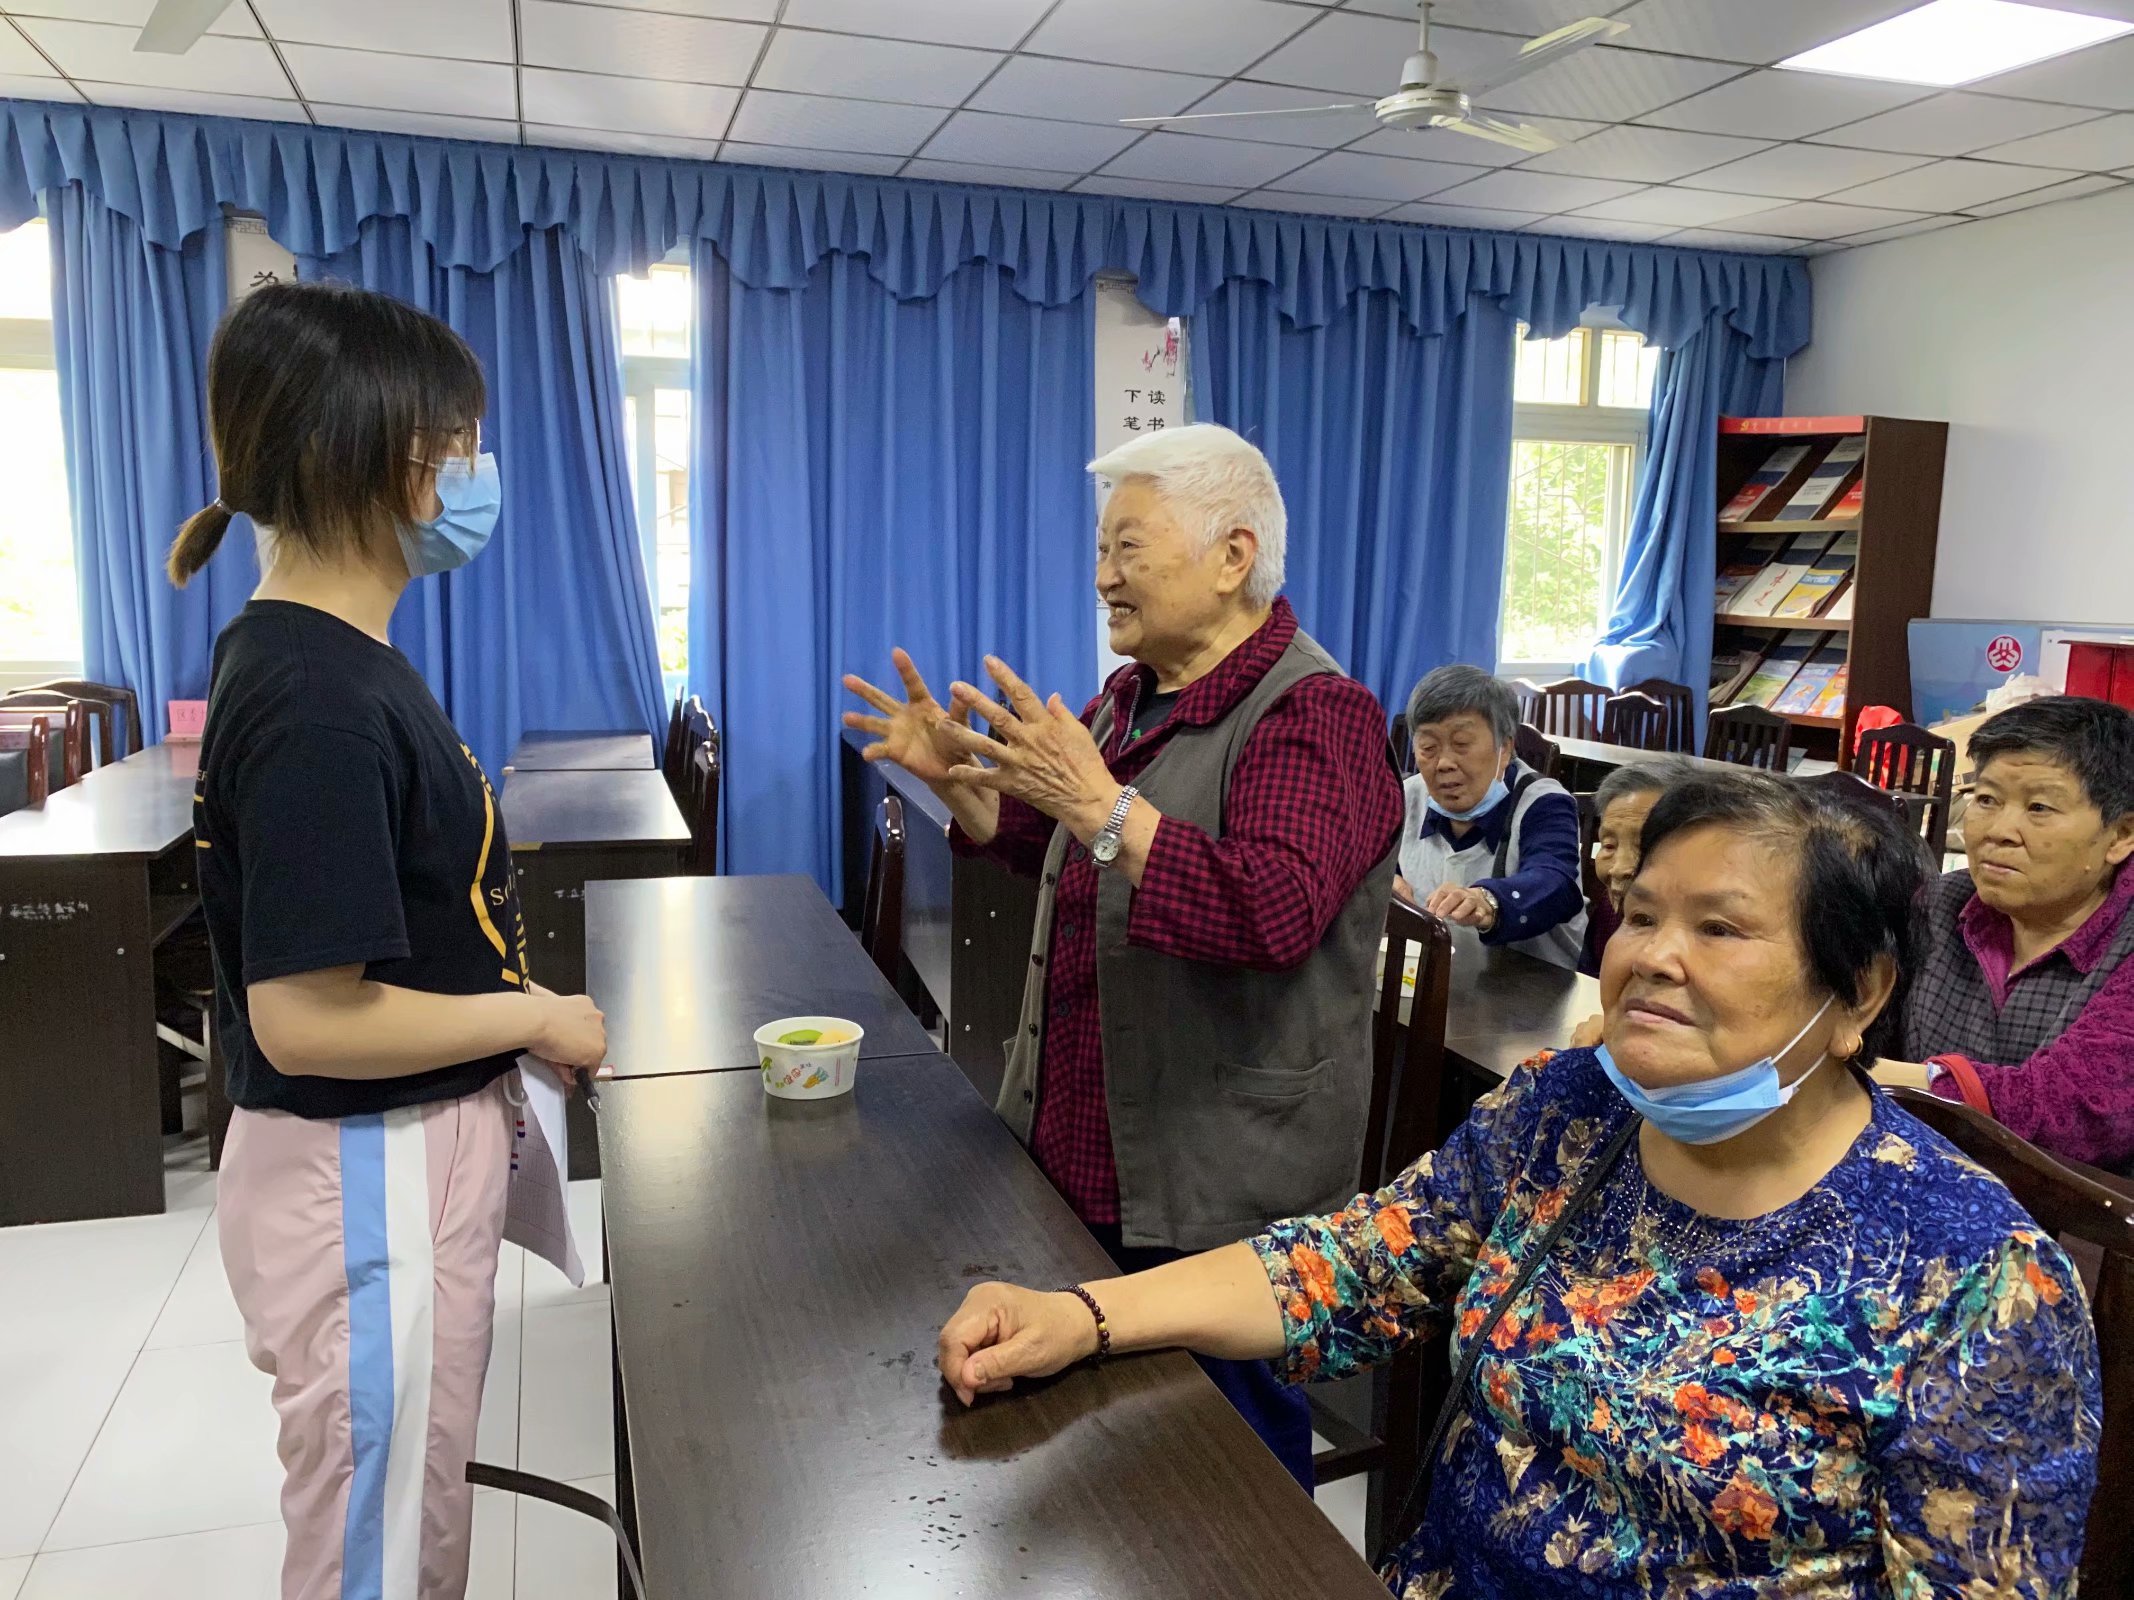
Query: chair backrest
1400, 745
1748, 736
674, 754
2073, 1207
1681, 713
1906, 759
1528, 694
1535, 751
66, 747
1411, 1106
25, 774
1857, 791
113, 696
882, 912
1571, 708
1637, 721
702, 808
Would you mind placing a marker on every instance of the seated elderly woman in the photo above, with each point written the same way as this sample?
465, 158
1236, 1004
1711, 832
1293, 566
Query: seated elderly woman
2024, 1007
1727, 1321
1621, 804
1488, 845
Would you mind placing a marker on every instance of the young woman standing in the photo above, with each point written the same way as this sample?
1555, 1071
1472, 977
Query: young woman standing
370, 962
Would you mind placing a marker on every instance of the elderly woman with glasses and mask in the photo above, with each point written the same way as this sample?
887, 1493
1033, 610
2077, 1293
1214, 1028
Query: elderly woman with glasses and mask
1726, 1321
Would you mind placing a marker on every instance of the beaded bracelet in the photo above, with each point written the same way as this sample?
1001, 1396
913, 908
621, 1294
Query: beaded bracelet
1097, 1311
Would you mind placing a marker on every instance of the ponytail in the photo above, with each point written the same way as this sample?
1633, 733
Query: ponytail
196, 541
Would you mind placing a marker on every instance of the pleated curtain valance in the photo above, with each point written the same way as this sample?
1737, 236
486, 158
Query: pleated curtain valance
474, 203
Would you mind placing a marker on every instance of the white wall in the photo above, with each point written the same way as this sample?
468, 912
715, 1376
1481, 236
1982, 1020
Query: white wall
2019, 332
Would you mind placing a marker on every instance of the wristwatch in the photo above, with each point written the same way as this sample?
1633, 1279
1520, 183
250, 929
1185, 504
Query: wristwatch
1104, 848
1489, 899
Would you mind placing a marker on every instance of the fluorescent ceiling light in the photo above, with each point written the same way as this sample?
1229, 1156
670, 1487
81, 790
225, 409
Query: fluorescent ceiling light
1958, 41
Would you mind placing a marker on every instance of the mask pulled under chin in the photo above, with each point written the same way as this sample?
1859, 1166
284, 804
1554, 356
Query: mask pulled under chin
1492, 797
1715, 1109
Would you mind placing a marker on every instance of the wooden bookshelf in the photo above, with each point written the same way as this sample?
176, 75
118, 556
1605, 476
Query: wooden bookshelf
1893, 576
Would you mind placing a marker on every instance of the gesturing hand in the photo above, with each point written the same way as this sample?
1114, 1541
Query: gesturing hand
910, 732
1470, 908
1001, 1333
1041, 752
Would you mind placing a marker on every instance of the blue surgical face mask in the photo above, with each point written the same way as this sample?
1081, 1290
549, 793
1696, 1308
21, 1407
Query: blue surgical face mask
1717, 1108
1494, 795
469, 497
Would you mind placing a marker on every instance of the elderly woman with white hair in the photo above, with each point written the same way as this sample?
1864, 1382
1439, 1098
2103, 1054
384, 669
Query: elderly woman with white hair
1214, 838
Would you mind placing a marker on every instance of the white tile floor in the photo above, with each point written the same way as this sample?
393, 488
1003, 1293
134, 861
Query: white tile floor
137, 1441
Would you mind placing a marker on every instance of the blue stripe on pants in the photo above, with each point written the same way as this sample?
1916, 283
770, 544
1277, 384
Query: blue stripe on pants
370, 1353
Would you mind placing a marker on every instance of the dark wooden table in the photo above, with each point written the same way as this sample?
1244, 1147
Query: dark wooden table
1504, 1008
90, 882
687, 969
1589, 760
582, 752
779, 1273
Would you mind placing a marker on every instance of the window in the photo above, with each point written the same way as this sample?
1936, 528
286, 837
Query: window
655, 316
40, 611
1578, 428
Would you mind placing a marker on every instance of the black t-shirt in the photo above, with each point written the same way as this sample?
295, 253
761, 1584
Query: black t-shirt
1150, 713
342, 822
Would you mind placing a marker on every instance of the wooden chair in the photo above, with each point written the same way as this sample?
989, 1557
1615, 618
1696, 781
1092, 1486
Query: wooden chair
105, 699
67, 749
2087, 1216
25, 774
1858, 791
1748, 736
1536, 752
1906, 759
1413, 1107
1528, 695
1571, 708
1636, 721
1681, 714
701, 808
882, 913
674, 754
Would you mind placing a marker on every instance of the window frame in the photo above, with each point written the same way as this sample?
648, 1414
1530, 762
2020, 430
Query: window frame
27, 344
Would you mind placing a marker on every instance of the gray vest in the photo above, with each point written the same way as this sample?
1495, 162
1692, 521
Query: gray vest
1236, 1097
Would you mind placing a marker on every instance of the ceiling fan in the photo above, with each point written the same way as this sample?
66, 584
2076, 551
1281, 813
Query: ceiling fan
1426, 100
174, 26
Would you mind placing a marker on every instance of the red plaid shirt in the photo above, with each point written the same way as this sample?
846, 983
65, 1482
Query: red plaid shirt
1313, 806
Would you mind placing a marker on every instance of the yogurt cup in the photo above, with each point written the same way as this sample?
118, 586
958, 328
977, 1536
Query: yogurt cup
809, 1058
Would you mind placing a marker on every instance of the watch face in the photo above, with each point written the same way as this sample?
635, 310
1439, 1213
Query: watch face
1104, 849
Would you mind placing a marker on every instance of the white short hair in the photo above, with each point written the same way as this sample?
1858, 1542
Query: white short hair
1217, 481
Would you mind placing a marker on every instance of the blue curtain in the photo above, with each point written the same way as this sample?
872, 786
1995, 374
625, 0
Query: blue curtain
551, 626
1662, 623
1393, 451
874, 471
130, 326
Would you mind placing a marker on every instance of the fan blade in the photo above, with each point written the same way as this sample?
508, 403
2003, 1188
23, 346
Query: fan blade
1538, 53
1219, 116
1519, 135
174, 25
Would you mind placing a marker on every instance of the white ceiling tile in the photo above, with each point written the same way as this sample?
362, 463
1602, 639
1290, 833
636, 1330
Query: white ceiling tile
2102, 75
1720, 239
731, 10
977, 172
105, 54
631, 44
1535, 191
1950, 185
19, 86
1643, 155
1523, 17
626, 105
817, 122
1802, 171
988, 24
1952, 125
235, 21
1318, 132
1822, 219
872, 69
19, 59
2073, 189
1679, 208
1464, 149
1606, 84
372, 120
988, 138
465, 30
1429, 211
1220, 37
1349, 54
1755, 31
1385, 178
1602, 228
1313, 205
1082, 91
1906, 230
1183, 158
2098, 146
193, 102
643, 144
403, 83
1141, 189
1783, 105
770, 155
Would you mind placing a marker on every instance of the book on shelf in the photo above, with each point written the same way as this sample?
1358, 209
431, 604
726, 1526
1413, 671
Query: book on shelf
1821, 487
1768, 590
1840, 609
1853, 501
1831, 702
1734, 657
1808, 684
1763, 482
1820, 584
1779, 665
1758, 551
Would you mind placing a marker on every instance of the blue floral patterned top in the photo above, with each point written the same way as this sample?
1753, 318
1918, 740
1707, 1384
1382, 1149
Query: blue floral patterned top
1888, 1388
